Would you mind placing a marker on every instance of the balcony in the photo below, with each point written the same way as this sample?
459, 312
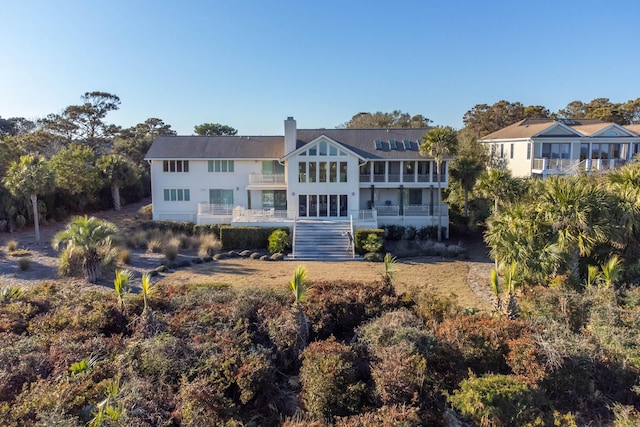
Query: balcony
545, 166
400, 178
257, 181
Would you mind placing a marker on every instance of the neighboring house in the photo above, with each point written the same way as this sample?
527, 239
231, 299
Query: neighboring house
369, 177
541, 147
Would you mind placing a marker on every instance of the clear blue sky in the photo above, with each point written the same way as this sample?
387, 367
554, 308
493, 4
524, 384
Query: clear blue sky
250, 64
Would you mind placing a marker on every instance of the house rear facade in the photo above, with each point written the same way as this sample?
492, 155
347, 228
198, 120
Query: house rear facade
541, 147
369, 177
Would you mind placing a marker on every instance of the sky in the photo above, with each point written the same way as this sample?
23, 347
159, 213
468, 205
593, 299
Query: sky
251, 64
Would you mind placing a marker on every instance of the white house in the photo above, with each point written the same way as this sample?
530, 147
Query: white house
540, 147
364, 177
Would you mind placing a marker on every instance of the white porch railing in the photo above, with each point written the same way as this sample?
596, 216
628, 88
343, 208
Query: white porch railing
262, 215
573, 166
257, 179
213, 209
412, 210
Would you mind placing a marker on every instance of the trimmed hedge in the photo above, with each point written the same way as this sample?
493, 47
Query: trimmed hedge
247, 237
174, 226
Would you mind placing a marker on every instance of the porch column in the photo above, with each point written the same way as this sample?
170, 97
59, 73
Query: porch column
372, 195
401, 208
431, 200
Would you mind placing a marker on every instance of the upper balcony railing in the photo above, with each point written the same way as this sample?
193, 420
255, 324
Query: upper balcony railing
258, 179
567, 166
408, 178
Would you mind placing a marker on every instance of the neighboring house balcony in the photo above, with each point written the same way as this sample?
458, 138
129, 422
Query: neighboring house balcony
546, 166
266, 181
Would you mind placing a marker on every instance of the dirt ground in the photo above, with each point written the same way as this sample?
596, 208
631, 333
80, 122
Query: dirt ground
467, 277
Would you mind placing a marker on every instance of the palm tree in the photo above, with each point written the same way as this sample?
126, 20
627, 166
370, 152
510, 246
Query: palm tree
579, 214
496, 184
90, 238
29, 177
300, 289
466, 170
439, 142
118, 171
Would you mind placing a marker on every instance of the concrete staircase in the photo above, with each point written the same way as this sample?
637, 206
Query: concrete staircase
322, 240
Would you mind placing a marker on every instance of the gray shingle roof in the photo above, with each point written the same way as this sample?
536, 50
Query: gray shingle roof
216, 147
360, 141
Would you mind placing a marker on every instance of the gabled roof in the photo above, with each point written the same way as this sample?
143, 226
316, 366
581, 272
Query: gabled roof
359, 141
362, 141
216, 147
633, 128
529, 128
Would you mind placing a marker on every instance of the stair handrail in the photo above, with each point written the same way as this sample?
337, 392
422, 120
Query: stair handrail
353, 238
293, 239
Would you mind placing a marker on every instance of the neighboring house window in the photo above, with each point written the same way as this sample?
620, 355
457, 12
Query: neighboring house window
175, 165
511, 149
220, 166
221, 197
555, 151
528, 151
333, 171
323, 171
177, 195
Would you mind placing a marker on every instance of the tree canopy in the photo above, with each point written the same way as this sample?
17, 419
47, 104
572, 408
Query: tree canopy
214, 129
380, 120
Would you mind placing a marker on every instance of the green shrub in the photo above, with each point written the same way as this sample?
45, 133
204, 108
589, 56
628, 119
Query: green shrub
362, 234
430, 232
172, 226
201, 229
398, 375
393, 232
24, 264
497, 400
373, 243
278, 241
410, 233
331, 383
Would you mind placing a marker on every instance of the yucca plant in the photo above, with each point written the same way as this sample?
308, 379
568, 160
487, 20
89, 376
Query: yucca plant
146, 289
84, 365
120, 283
593, 276
106, 411
611, 271
300, 289
389, 268
9, 293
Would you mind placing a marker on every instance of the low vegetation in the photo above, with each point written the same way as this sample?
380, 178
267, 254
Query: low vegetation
315, 352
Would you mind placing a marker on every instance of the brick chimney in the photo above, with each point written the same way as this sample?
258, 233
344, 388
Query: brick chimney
290, 135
